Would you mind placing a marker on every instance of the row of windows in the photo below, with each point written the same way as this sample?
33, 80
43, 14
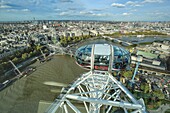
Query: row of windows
121, 58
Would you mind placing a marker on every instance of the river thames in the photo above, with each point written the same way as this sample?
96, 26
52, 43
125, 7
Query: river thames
24, 95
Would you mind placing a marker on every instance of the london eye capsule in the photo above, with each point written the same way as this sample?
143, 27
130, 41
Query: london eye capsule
103, 57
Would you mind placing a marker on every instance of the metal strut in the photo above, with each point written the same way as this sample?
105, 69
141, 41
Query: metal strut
98, 91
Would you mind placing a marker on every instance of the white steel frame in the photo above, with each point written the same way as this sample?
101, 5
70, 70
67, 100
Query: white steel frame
97, 90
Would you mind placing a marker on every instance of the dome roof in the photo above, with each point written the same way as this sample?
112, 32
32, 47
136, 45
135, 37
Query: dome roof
102, 56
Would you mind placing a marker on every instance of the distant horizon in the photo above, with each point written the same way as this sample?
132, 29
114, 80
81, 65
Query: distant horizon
78, 20
101, 10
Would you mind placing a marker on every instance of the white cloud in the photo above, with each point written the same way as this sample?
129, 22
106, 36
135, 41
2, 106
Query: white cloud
134, 4
126, 14
97, 9
130, 3
57, 10
64, 13
100, 14
118, 5
157, 13
25, 10
16, 10
137, 5
83, 13
91, 13
12, 10
152, 1
86, 12
4, 6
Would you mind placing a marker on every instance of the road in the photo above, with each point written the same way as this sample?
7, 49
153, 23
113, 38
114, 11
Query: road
161, 109
27, 62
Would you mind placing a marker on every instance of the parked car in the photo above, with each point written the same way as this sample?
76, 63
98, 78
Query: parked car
5, 84
29, 70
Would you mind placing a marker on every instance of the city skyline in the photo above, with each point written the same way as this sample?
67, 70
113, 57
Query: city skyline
110, 10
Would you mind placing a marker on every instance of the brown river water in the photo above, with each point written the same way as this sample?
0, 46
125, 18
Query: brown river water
24, 95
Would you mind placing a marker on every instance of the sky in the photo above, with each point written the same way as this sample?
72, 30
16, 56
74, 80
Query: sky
110, 10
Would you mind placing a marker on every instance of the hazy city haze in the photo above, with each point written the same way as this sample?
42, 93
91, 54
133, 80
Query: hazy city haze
114, 10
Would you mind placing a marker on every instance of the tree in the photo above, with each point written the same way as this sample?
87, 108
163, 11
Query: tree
38, 47
18, 54
1, 69
24, 56
11, 56
15, 60
69, 39
64, 41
